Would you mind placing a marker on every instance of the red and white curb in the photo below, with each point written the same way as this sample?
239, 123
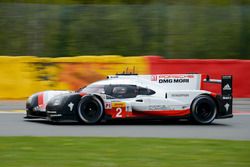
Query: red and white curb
241, 113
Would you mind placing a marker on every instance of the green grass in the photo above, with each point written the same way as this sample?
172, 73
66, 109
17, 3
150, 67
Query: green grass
127, 152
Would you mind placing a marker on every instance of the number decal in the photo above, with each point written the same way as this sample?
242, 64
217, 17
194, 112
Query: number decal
119, 112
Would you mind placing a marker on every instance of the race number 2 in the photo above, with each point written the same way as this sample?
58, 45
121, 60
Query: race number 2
119, 113
119, 109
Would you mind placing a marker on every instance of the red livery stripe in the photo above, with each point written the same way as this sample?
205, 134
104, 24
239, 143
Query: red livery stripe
40, 99
113, 112
162, 113
82, 94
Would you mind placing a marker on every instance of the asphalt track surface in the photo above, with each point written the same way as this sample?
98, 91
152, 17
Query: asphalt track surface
237, 128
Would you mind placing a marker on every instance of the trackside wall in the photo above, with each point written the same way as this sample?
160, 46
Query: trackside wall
24, 75
240, 69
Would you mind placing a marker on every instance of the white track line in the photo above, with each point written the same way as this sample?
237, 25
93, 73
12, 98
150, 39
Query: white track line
12, 112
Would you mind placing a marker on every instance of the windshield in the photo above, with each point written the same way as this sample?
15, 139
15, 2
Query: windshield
93, 89
117, 91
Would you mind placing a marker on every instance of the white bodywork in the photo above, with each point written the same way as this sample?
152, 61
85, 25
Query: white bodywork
172, 91
131, 96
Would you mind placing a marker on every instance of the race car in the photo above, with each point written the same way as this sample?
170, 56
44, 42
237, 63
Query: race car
125, 96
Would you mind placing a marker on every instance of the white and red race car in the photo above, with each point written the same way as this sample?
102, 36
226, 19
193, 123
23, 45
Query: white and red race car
125, 96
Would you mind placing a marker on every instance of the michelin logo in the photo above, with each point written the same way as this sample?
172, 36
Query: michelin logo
227, 87
71, 105
227, 106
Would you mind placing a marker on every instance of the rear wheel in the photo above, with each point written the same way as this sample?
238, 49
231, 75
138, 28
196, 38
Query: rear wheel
90, 110
203, 110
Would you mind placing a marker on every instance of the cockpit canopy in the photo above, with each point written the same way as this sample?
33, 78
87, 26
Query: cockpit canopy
118, 90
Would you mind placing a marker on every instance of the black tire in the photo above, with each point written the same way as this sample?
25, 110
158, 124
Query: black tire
203, 110
90, 110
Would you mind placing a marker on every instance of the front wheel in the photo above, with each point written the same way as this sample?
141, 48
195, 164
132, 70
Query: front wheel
90, 110
203, 109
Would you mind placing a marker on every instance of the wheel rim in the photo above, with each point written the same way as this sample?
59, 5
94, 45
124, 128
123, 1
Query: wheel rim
204, 112
90, 111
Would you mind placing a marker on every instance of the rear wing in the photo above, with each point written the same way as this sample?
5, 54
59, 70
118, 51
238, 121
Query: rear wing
226, 92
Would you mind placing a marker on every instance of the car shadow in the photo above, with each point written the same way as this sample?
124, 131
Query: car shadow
126, 123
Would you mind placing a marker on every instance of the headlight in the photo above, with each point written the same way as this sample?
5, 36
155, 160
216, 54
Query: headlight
57, 102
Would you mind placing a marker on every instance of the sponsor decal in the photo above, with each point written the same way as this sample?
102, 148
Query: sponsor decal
226, 97
112, 76
153, 77
227, 77
173, 80
176, 76
71, 105
108, 105
180, 95
118, 104
227, 87
158, 107
227, 106
118, 109
128, 108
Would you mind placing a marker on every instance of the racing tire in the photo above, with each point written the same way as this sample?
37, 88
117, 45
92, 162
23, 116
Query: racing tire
203, 110
90, 110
